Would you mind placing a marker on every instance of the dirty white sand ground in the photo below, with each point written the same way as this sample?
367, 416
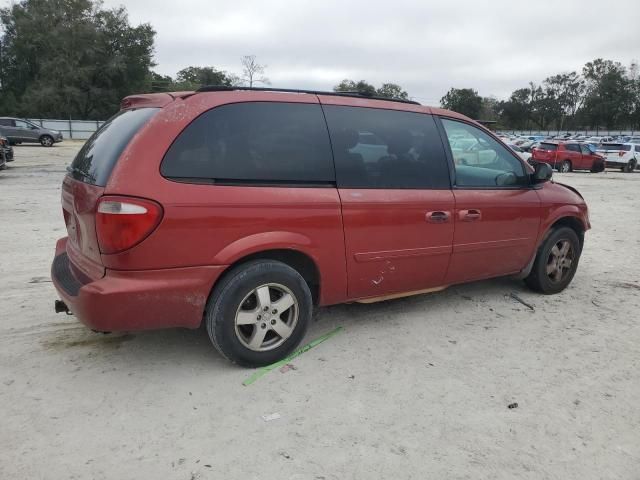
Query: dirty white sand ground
413, 388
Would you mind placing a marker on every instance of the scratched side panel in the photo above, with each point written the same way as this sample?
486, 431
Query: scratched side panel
390, 247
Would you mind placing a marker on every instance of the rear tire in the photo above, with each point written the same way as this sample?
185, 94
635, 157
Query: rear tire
564, 167
553, 268
259, 313
629, 167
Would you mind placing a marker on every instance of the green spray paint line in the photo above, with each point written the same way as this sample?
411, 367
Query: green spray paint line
264, 370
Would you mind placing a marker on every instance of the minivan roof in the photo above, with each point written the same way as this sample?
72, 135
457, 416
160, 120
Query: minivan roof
222, 88
160, 100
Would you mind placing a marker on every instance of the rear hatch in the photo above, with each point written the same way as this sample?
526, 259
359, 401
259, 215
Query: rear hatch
546, 152
85, 184
613, 151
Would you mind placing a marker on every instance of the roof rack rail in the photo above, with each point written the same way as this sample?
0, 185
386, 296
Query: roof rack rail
224, 88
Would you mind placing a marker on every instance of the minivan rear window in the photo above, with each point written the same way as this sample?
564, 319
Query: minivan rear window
549, 146
256, 143
95, 160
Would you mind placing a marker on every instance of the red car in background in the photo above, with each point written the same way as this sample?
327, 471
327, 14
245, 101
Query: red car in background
568, 156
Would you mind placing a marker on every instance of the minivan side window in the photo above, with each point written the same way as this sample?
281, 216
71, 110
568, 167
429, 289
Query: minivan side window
480, 161
255, 143
6, 122
378, 148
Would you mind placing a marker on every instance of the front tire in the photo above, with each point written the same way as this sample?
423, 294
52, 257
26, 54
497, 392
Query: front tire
46, 140
556, 262
259, 313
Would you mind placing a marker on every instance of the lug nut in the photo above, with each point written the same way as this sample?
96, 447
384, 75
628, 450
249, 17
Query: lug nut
264, 325
274, 311
266, 309
259, 317
273, 322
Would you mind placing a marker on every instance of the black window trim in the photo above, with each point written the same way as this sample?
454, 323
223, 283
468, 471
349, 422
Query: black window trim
452, 166
252, 183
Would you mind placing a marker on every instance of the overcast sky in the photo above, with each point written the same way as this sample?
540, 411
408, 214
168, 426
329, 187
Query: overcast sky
425, 46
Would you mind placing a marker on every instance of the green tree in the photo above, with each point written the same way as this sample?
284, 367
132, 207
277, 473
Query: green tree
567, 90
192, 78
463, 100
490, 109
609, 93
515, 112
361, 87
64, 58
392, 90
160, 83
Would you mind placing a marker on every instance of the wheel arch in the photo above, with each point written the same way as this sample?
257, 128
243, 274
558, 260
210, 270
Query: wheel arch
300, 261
570, 221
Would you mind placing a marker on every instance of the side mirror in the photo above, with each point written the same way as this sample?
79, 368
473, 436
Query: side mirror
543, 173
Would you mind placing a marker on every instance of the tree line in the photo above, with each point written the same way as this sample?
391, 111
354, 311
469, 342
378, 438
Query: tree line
606, 94
74, 58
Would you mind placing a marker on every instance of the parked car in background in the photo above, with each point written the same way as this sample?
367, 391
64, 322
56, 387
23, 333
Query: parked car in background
521, 153
634, 139
598, 140
568, 156
19, 131
6, 151
275, 211
3, 160
624, 156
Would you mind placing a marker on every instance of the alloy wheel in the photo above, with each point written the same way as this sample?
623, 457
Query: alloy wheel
560, 261
266, 317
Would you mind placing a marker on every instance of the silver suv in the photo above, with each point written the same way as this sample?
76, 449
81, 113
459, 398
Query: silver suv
18, 130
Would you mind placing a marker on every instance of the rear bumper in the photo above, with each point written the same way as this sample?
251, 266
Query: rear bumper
614, 164
134, 300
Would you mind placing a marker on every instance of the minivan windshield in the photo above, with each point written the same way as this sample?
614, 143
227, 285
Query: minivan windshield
95, 160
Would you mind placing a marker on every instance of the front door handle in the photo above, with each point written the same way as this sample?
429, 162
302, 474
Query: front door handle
470, 215
438, 216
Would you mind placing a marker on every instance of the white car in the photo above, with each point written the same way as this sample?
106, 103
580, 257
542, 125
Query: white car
521, 153
624, 156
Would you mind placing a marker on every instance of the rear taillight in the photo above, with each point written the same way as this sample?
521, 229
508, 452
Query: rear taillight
621, 153
122, 222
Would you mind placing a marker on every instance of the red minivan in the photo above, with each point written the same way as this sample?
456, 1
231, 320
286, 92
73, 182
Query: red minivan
245, 208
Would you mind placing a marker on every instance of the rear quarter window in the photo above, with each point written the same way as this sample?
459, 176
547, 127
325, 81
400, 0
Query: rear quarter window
97, 157
253, 143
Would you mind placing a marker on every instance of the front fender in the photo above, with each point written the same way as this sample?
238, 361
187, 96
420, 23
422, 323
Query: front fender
558, 212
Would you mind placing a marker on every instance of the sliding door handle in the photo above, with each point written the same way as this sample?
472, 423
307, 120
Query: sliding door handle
470, 215
438, 216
